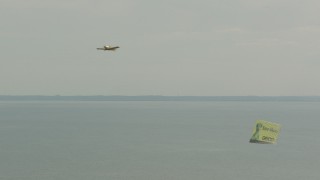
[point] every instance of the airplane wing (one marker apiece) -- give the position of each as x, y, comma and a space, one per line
114, 48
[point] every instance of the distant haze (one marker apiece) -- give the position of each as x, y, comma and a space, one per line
180, 47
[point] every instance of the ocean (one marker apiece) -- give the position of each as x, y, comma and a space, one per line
157, 140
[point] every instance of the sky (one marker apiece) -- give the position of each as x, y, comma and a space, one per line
167, 47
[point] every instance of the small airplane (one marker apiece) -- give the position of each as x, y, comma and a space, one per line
108, 48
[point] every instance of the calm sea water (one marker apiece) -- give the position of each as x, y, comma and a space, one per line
156, 141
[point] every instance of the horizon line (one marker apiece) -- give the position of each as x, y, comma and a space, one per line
153, 98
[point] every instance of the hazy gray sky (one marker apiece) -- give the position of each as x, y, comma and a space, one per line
167, 47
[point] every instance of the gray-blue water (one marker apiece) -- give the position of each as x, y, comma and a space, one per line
156, 141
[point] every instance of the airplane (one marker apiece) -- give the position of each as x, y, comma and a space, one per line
108, 48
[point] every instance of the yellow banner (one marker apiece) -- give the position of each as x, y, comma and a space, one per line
265, 132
